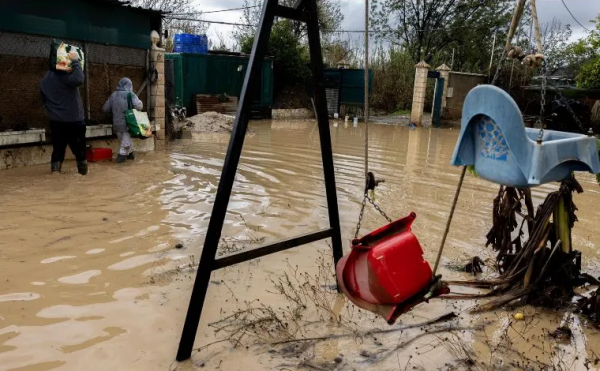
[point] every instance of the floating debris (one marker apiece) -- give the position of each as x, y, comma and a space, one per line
562, 333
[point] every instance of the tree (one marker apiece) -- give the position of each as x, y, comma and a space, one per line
585, 56
330, 18
291, 56
343, 48
181, 7
555, 39
287, 44
430, 27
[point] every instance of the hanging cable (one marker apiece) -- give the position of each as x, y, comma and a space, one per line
218, 11
569, 10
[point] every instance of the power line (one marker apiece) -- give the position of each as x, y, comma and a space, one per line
569, 10
212, 22
217, 11
325, 31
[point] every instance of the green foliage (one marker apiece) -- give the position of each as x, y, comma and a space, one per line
330, 18
585, 54
589, 74
471, 170
291, 55
434, 27
288, 44
393, 79
555, 39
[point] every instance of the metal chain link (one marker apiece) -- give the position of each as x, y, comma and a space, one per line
562, 98
577, 121
379, 209
540, 120
362, 212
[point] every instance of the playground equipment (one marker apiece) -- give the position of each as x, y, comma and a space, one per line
302, 11
385, 272
494, 139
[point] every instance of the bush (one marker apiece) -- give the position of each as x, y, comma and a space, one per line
393, 80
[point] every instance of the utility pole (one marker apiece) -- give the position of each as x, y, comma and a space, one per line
366, 109
452, 63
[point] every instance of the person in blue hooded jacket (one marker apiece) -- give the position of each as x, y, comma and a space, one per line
63, 104
117, 105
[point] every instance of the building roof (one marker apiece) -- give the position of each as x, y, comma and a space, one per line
127, 4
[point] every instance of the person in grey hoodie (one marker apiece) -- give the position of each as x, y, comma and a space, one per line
117, 104
62, 101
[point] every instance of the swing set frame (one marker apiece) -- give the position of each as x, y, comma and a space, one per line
302, 11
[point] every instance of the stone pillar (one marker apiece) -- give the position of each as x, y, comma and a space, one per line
157, 91
416, 114
444, 74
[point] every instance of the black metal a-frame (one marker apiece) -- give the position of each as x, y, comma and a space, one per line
302, 11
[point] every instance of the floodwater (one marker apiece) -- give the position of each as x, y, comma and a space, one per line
91, 278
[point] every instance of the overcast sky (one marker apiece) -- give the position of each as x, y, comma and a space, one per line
353, 10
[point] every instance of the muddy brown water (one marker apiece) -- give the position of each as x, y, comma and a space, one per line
91, 279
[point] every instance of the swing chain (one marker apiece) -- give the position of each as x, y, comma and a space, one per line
565, 102
371, 183
362, 213
379, 209
540, 120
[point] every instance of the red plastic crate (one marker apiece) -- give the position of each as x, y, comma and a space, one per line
99, 154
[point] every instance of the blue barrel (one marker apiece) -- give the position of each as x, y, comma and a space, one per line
178, 48
178, 39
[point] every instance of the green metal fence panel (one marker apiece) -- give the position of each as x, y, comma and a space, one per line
219, 74
266, 94
92, 21
351, 82
178, 78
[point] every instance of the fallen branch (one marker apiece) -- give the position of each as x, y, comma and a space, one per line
309, 365
385, 354
445, 317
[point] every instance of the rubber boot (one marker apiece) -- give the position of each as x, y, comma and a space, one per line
131, 156
121, 159
82, 167
56, 166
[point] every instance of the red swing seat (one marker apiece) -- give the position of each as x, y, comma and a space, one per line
385, 272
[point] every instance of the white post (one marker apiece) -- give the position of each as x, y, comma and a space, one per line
416, 115
444, 74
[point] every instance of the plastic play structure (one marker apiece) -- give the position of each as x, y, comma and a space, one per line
494, 139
